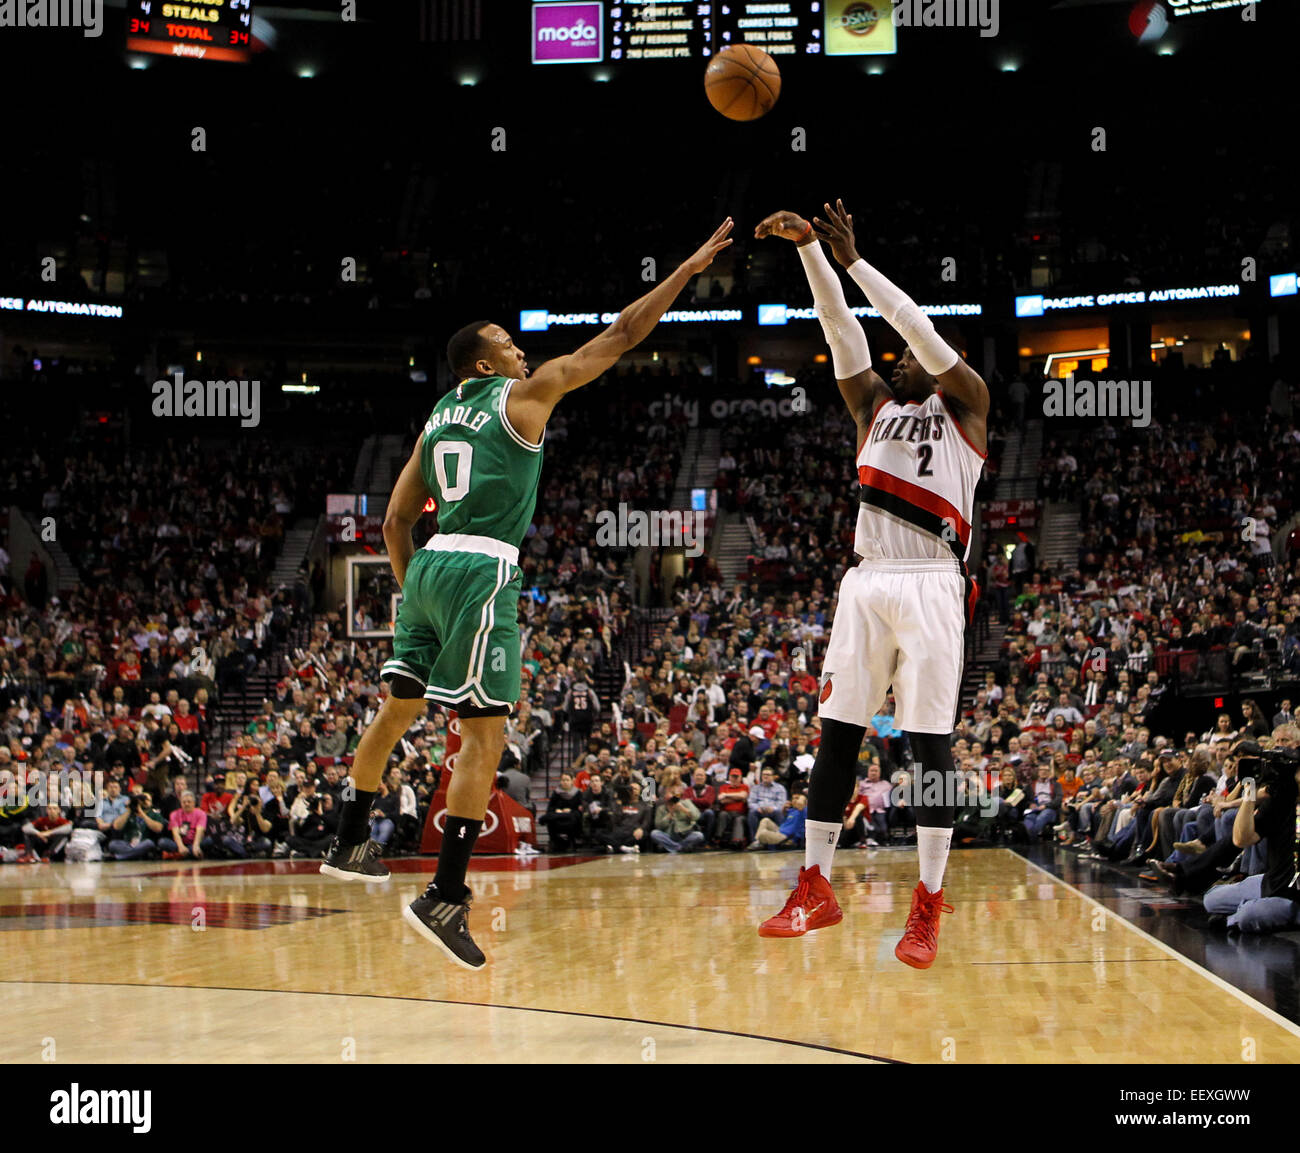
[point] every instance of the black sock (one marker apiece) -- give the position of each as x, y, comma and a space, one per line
354, 823
458, 837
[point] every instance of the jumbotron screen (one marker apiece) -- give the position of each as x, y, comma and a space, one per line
600, 30
212, 30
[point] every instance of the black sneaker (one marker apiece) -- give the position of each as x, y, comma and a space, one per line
446, 924
359, 862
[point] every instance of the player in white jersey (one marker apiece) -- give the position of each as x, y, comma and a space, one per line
903, 609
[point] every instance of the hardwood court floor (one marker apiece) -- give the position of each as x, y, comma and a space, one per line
596, 960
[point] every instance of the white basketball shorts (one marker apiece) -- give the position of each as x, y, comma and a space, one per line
899, 623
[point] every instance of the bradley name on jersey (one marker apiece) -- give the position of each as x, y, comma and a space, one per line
466, 414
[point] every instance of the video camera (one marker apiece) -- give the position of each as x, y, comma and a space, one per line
1265, 766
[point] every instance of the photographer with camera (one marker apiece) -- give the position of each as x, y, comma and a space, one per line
676, 819
1269, 811
139, 831
249, 827
312, 832
304, 804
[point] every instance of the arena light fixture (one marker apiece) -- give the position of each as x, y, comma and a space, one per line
1053, 357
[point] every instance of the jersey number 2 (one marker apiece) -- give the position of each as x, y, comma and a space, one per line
923, 455
463, 451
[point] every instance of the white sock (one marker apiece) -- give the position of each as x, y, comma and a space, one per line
932, 848
820, 839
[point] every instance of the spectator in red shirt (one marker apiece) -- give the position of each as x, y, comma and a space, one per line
47, 836
802, 683
188, 724
733, 808
769, 719
128, 668
704, 797
218, 797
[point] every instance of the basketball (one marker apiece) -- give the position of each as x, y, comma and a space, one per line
742, 82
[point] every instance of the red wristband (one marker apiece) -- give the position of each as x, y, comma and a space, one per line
804, 235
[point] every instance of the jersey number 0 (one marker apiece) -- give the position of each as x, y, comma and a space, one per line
463, 451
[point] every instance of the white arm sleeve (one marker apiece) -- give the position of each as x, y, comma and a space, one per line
849, 352
931, 351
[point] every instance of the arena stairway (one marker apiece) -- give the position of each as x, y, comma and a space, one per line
390, 455
987, 650
1058, 538
733, 544
25, 527
294, 551
699, 467
235, 708
1018, 478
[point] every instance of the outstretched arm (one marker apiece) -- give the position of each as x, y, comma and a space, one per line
862, 389
532, 399
961, 384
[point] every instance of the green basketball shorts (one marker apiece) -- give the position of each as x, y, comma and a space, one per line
457, 629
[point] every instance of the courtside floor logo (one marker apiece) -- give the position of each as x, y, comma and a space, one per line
568, 33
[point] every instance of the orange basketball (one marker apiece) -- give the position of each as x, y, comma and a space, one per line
742, 82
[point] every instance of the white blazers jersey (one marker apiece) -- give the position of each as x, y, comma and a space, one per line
918, 473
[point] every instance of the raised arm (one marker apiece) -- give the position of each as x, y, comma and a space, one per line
961, 384
860, 386
532, 399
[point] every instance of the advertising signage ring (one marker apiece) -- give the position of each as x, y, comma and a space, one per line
568, 33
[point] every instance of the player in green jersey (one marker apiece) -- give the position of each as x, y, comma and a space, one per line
456, 639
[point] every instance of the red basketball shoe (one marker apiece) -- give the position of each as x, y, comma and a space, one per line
921, 937
810, 906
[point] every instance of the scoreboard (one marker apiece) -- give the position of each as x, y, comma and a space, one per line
617, 31
203, 30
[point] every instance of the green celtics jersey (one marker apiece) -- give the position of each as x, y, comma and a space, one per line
482, 472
